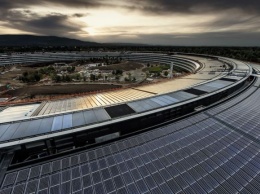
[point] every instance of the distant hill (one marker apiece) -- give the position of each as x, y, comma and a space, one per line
125, 44
31, 40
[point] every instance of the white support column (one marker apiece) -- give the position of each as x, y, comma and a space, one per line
171, 69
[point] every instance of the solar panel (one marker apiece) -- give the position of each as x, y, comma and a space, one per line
181, 95
33, 128
22, 175
206, 88
137, 106
35, 172
9, 132
160, 101
232, 102
43, 183
3, 128
244, 117
78, 119
57, 123
200, 154
18, 189
101, 114
67, 121
195, 91
151, 103
45, 126
20, 130
9, 179
119, 110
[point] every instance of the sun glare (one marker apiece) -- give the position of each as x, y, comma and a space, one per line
91, 31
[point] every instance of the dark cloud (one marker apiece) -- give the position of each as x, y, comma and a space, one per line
196, 6
54, 24
8, 4
235, 22
147, 6
79, 15
51, 24
16, 15
152, 6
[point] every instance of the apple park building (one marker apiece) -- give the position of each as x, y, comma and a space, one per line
195, 134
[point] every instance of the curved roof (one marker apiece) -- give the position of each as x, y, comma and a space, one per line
215, 151
80, 119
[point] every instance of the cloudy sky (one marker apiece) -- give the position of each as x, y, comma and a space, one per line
163, 22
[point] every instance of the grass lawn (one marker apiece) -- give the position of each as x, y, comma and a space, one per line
156, 69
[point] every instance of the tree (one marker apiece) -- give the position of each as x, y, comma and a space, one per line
31, 78
92, 77
119, 72
77, 76
69, 69
42, 71
67, 78
129, 76
25, 74
37, 77
56, 78
50, 70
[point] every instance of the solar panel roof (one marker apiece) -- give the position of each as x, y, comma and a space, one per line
216, 151
199, 155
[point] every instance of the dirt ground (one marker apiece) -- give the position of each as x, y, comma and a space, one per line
11, 74
59, 89
24, 90
138, 74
